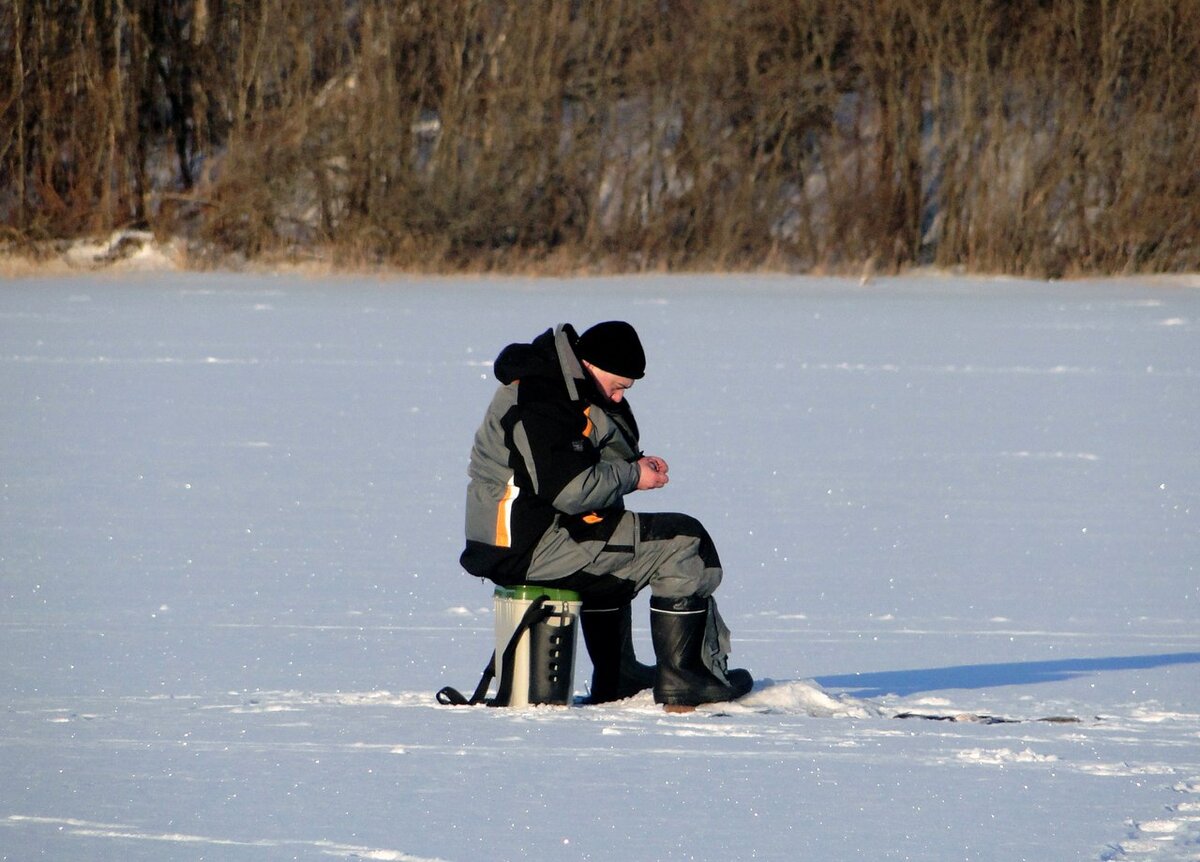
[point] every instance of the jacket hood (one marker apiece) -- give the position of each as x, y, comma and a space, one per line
550, 356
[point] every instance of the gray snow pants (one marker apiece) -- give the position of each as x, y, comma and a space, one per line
670, 553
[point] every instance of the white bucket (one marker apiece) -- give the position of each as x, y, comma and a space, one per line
543, 665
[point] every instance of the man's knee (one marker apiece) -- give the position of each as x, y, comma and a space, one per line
665, 526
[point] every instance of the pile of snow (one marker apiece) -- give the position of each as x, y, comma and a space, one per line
125, 251
804, 698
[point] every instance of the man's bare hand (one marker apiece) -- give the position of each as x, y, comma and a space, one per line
652, 473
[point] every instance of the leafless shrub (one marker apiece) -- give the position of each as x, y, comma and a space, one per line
1029, 136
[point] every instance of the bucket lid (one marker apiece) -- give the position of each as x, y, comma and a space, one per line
529, 592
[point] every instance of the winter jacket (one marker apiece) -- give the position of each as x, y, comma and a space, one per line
549, 468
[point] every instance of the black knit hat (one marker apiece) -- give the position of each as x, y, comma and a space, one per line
614, 347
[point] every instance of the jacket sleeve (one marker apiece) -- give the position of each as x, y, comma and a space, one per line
563, 463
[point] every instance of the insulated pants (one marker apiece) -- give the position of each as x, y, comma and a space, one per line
672, 554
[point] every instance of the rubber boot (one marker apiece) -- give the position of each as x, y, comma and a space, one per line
678, 629
616, 672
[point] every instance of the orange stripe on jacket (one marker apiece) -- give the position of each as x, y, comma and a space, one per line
504, 515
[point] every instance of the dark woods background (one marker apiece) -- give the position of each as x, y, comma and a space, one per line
1041, 137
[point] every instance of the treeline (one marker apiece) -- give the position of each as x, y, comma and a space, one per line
1041, 137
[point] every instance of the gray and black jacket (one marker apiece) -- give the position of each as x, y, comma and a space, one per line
550, 466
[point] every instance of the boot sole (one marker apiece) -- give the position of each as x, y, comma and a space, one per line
678, 708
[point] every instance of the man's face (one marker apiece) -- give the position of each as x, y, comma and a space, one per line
612, 385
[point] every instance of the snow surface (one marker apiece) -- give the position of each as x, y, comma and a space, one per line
230, 516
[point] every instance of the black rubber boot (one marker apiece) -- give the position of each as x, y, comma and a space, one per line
616, 672
677, 627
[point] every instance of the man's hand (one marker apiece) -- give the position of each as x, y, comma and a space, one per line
652, 473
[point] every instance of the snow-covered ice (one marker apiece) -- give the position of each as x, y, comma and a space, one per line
230, 514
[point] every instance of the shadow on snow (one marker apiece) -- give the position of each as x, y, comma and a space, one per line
908, 682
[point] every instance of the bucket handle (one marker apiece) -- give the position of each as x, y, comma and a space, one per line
449, 696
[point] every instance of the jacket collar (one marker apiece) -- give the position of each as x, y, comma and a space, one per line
572, 369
